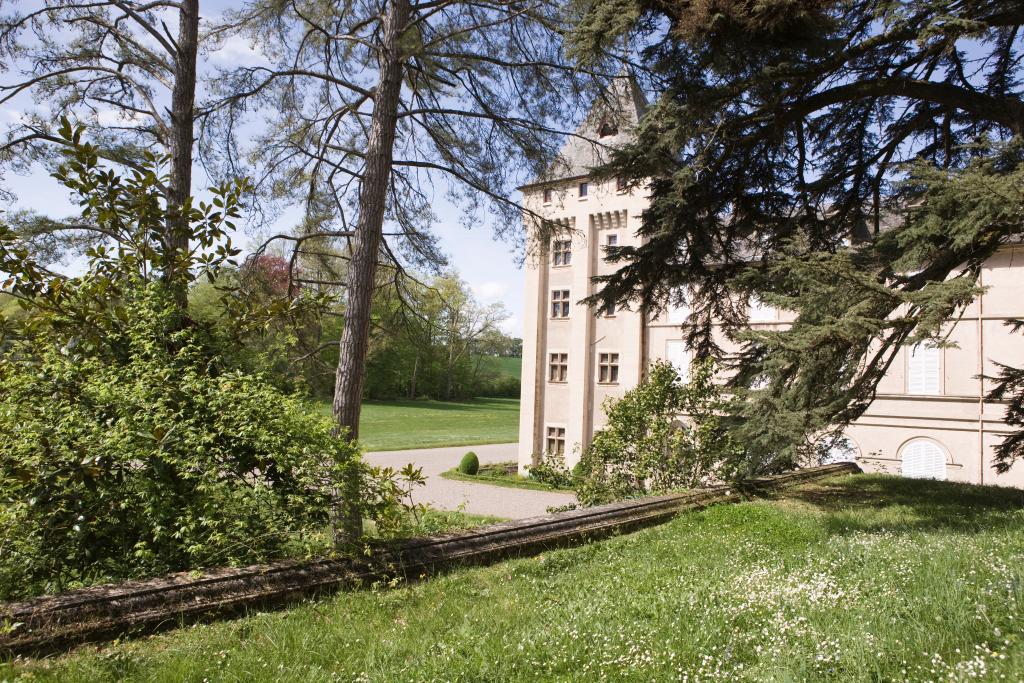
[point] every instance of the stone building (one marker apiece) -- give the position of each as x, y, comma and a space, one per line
930, 417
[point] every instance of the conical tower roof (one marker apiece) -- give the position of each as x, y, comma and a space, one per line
611, 122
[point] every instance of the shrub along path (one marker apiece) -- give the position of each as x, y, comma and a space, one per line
477, 499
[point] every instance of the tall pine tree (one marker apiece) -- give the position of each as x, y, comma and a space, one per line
852, 161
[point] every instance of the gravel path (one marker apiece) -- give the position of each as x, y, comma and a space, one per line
478, 499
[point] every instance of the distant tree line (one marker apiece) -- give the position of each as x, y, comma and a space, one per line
443, 345
429, 338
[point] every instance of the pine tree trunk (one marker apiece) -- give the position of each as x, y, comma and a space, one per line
451, 371
183, 96
415, 371
351, 372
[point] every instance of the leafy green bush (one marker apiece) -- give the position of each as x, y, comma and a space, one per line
470, 464
550, 469
128, 444
154, 464
660, 436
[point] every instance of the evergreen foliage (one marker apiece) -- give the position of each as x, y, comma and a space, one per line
852, 162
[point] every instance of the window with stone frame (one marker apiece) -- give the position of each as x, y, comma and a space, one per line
558, 367
608, 368
560, 303
610, 240
555, 442
607, 129
561, 252
547, 195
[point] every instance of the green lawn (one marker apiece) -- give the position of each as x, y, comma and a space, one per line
496, 474
396, 425
511, 367
864, 578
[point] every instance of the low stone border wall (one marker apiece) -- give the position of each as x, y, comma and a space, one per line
56, 623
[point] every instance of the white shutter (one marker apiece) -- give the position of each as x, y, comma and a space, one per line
677, 354
923, 368
761, 312
678, 308
922, 459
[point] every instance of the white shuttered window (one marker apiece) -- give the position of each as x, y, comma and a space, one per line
679, 307
761, 312
922, 459
677, 354
923, 370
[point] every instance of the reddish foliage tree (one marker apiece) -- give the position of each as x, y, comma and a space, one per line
272, 273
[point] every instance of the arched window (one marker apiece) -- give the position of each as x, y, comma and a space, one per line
923, 459
923, 368
606, 129
842, 449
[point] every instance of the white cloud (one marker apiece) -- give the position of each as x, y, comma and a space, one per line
237, 51
492, 292
512, 326
118, 117
23, 114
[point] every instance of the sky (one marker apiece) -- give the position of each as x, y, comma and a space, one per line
490, 266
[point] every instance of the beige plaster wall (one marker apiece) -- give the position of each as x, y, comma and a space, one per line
957, 419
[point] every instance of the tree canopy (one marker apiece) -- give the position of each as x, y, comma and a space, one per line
852, 161
116, 65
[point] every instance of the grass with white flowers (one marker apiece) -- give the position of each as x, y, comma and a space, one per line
862, 578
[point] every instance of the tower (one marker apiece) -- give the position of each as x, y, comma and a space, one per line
573, 357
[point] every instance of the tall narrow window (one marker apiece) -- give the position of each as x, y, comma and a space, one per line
923, 367
677, 354
560, 303
678, 307
558, 367
608, 368
555, 444
620, 184
611, 240
761, 312
609, 311
547, 195
562, 250
584, 188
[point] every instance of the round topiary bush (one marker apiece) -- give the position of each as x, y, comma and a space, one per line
470, 463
